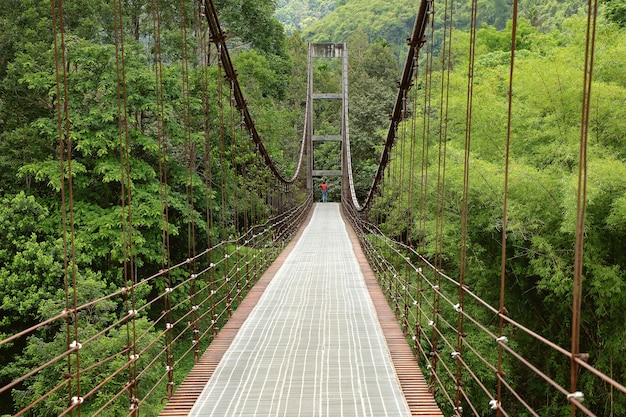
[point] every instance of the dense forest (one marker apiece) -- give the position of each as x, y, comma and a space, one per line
33, 243
269, 52
541, 206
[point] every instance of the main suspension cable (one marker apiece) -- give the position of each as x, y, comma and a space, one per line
416, 41
219, 38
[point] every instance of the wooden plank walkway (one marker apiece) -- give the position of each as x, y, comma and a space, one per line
321, 341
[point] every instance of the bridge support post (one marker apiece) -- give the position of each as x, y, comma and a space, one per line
337, 132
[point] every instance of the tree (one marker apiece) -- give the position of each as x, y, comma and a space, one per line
615, 11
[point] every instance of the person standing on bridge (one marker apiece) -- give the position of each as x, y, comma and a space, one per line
324, 188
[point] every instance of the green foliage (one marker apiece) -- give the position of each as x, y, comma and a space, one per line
253, 21
103, 131
542, 196
379, 19
30, 260
615, 11
297, 15
40, 349
373, 73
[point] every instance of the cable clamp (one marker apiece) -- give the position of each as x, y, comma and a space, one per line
211, 265
457, 308
75, 345
133, 357
577, 396
77, 400
226, 256
168, 290
194, 276
132, 312
414, 302
431, 323
502, 339
194, 308
169, 326
455, 354
494, 404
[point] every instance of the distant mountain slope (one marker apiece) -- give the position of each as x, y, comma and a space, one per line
334, 21
299, 14
379, 19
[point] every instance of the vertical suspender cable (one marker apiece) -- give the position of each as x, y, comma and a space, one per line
233, 159
464, 209
443, 139
409, 235
426, 129
443, 129
418, 279
220, 101
402, 211
125, 183
67, 204
505, 202
208, 171
581, 205
163, 191
189, 147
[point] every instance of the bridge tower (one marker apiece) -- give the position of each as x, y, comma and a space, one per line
327, 110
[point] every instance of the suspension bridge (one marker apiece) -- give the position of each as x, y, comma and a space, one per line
279, 305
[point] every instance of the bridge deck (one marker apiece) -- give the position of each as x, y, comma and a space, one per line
321, 341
